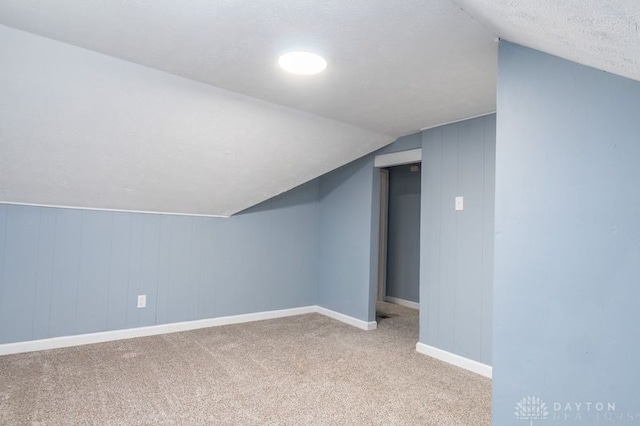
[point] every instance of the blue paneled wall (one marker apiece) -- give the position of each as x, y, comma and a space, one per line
345, 275
456, 248
567, 257
66, 271
456, 269
349, 210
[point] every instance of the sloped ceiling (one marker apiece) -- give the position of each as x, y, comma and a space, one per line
82, 129
179, 106
600, 34
394, 66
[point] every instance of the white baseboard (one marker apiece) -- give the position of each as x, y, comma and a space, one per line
403, 302
364, 325
129, 333
457, 360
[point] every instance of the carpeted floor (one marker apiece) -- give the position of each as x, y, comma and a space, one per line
299, 370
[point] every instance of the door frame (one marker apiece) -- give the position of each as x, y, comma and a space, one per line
383, 231
381, 162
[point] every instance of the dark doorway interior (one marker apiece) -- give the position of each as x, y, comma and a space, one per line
403, 235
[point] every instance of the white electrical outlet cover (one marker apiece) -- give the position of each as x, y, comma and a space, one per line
459, 203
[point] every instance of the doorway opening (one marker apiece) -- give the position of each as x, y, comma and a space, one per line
399, 238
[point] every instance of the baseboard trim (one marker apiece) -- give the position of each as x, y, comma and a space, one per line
363, 325
130, 333
457, 360
403, 302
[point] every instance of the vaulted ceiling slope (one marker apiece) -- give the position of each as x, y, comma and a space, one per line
600, 34
82, 129
179, 106
394, 66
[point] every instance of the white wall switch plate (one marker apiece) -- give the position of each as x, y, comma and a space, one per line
142, 301
459, 203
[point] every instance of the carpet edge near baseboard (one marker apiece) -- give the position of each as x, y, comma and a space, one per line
130, 333
402, 302
454, 359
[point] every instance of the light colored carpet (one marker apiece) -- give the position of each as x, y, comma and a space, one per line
307, 369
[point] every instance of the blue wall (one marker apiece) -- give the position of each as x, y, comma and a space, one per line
349, 215
567, 257
344, 274
65, 271
456, 248
456, 269
403, 242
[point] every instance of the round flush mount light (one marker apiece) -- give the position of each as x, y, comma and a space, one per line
303, 63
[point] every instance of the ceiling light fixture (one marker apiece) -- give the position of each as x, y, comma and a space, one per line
303, 63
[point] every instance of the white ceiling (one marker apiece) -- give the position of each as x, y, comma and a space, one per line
83, 129
597, 33
394, 66
183, 109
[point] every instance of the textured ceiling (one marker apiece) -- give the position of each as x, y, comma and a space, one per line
597, 33
394, 66
179, 107
82, 129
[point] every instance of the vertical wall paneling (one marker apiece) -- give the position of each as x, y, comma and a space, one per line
66, 268
3, 245
252, 265
430, 253
46, 251
348, 234
207, 290
66, 271
448, 243
469, 253
345, 230
93, 276
488, 237
119, 260
143, 269
163, 301
456, 262
180, 291
227, 254
19, 274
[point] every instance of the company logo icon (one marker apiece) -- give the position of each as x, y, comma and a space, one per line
531, 408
